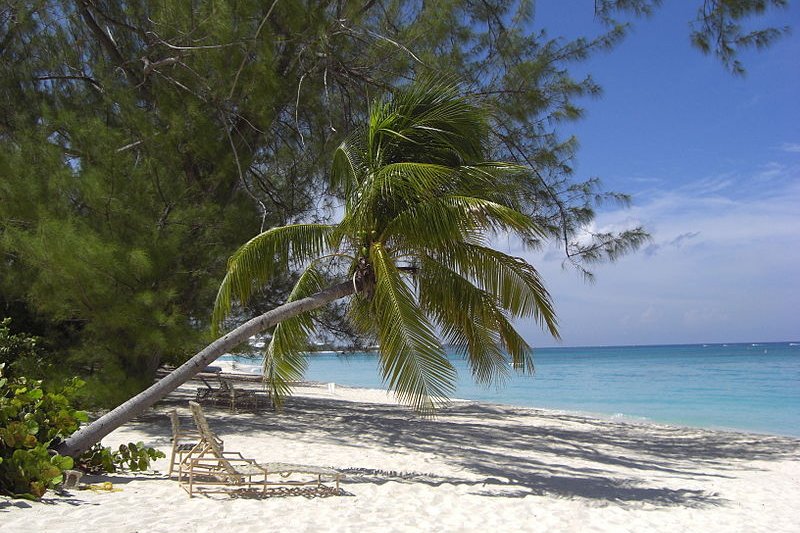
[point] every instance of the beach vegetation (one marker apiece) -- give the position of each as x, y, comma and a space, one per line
135, 457
34, 418
20, 353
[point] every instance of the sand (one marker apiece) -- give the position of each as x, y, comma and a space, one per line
476, 467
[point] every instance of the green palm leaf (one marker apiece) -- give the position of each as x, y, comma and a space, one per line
284, 358
494, 181
412, 359
472, 320
392, 189
411, 180
516, 284
263, 257
348, 164
440, 123
444, 220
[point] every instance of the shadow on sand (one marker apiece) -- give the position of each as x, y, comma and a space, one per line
512, 452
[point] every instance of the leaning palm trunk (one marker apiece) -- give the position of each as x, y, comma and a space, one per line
83, 439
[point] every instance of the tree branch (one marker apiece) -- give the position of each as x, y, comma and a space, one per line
105, 40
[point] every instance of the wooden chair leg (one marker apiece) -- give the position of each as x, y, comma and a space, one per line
172, 458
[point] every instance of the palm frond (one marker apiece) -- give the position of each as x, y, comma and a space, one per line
479, 344
520, 351
435, 116
495, 181
513, 281
496, 217
263, 257
411, 181
427, 121
430, 225
392, 189
412, 359
284, 358
450, 219
348, 164
361, 316
473, 321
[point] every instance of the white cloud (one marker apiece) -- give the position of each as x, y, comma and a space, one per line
722, 267
791, 147
772, 171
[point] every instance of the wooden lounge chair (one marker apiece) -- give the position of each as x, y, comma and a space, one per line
227, 394
207, 392
183, 441
209, 469
235, 398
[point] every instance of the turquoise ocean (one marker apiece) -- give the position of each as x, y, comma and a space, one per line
750, 387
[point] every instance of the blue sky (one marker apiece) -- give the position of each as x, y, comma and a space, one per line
713, 164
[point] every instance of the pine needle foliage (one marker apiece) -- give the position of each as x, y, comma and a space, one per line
421, 205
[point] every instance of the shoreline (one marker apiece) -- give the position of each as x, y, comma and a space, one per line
229, 370
521, 468
604, 417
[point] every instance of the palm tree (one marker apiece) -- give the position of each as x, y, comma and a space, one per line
421, 205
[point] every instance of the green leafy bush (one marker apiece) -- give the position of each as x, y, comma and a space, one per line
134, 457
32, 420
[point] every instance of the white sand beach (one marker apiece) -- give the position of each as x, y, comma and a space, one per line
476, 467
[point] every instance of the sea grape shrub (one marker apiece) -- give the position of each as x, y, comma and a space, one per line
96, 460
137, 457
32, 419
134, 457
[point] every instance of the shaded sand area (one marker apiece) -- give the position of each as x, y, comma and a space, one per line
476, 467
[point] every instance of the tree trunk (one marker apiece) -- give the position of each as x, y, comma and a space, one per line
88, 435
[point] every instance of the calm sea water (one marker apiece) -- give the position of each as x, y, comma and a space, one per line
752, 387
